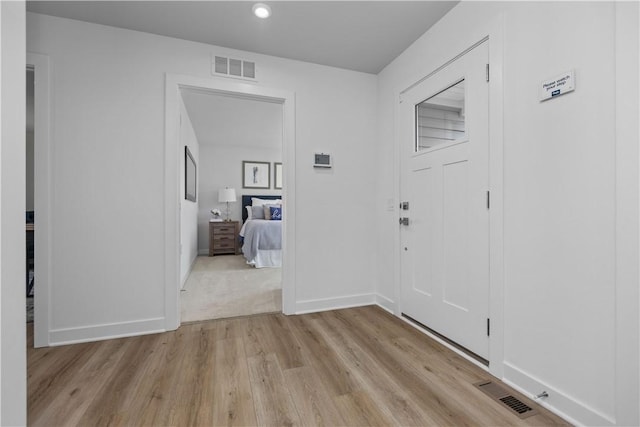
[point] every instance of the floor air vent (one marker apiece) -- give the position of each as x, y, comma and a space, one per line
502, 395
516, 404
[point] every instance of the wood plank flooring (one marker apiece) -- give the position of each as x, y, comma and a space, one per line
352, 367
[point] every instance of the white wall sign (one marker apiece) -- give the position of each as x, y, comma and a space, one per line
557, 86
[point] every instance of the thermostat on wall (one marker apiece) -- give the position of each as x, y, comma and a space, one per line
322, 160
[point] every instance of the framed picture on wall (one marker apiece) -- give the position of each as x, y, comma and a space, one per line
256, 175
277, 176
189, 175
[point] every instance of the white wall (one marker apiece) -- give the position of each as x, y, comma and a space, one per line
107, 166
627, 212
13, 371
188, 209
560, 279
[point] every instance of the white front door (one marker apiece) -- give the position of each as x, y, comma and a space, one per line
444, 134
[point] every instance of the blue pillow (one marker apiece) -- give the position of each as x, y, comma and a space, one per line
276, 213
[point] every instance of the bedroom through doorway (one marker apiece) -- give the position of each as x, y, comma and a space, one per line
236, 143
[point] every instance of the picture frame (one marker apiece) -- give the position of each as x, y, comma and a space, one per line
256, 174
277, 176
190, 176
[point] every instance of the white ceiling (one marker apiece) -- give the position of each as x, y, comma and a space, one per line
220, 120
357, 35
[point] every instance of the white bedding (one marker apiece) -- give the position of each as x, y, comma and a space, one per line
267, 258
262, 246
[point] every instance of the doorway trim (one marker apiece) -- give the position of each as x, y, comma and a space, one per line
493, 32
173, 84
43, 183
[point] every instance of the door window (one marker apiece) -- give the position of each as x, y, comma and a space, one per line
440, 118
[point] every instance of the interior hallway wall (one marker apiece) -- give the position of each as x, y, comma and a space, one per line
108, 169
13, 357
188, 208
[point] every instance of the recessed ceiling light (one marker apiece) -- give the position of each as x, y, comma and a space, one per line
261, 10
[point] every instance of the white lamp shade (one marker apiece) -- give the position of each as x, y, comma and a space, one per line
226, 195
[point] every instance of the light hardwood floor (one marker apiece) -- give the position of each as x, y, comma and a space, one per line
354, 367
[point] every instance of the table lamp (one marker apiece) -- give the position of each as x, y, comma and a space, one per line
227, 195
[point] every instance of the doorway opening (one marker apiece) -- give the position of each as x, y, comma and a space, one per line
238, 143
175, 156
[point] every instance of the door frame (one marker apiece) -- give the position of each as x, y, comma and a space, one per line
493, 34
43, 184
173, 84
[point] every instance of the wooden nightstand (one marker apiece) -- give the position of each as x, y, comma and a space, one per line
223, 237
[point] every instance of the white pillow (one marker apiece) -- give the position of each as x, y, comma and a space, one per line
249, 212
261, 202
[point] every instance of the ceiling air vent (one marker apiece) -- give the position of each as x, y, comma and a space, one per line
235, 67
249, 69
231, 67
221, 65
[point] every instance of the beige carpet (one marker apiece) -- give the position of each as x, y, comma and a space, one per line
225, 286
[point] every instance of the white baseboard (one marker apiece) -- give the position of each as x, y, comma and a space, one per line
570, 409
204, 251
565, 406
106, 331
151, 326
325, 304
386, 303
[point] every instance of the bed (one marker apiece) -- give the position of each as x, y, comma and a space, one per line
261, 232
